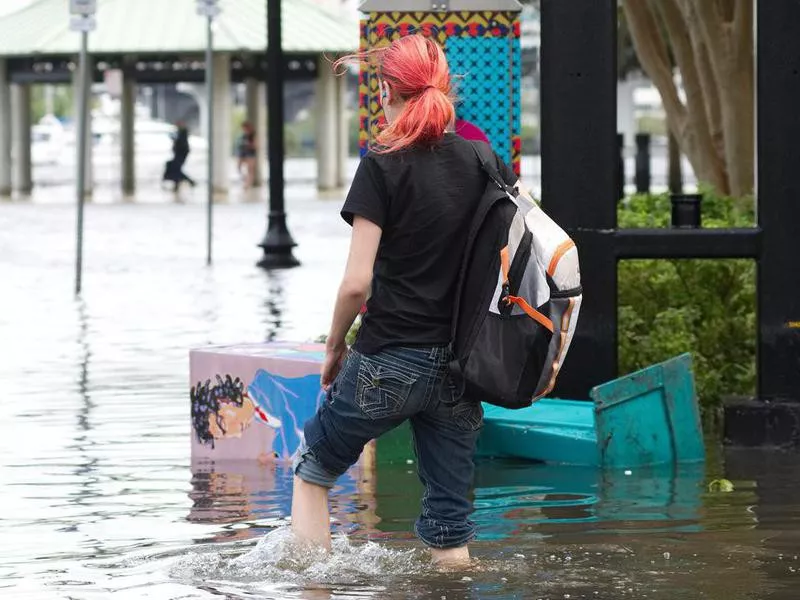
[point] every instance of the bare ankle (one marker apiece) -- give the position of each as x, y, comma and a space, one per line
310, 516
450, 557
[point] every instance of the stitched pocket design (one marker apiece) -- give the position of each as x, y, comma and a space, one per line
383, 388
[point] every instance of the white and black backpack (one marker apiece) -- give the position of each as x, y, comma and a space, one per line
518, 297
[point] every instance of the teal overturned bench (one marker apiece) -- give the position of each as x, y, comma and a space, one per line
646, 418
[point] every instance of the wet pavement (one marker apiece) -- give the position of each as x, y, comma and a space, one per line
99, 499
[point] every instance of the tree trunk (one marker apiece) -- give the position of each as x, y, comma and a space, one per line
699, 127
675, 172
711, 42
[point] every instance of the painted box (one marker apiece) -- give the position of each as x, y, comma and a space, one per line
250, 401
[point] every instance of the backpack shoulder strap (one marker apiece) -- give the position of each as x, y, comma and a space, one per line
485, 205
487, 160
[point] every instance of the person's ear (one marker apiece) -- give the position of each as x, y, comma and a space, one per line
386, 94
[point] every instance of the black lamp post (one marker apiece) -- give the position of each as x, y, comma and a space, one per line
278, 242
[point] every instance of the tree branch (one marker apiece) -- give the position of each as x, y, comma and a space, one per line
726, 9
652, 51
708, 78
706, 15
707, 155
743, 30
711, 93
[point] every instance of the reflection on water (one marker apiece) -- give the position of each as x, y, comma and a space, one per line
562, 530
99, 498
273, 305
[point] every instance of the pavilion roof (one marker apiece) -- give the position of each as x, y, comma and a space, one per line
173, 26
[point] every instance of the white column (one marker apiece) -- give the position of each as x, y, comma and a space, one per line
49, 99
223, 110
76, 90
5, 130
344, 131
626, 110
21, 137
327, 126
256, 100
127, 135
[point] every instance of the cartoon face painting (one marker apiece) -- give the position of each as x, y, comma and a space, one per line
225, 410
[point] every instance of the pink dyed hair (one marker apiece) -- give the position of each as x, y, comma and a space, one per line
416, 70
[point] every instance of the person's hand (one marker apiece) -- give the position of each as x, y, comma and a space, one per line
334, 357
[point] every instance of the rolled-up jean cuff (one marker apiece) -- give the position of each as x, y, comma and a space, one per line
443, 537
306, 466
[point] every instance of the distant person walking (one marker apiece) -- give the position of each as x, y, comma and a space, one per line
180, 152
246, 151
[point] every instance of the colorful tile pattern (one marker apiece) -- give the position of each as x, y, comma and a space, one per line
466, 37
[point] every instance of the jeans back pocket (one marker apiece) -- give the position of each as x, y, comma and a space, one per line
383, 387
468, 415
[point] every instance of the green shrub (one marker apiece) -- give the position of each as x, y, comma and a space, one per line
706, 307
350, 339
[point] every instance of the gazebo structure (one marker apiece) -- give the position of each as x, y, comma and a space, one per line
157, 41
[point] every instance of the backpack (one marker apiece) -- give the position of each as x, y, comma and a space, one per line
517, 298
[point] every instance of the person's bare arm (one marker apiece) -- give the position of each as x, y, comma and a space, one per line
353, 292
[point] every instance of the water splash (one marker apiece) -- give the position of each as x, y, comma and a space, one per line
280, 558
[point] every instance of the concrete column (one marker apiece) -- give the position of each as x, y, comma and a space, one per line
75, 110
344, 132
256, 101
21, 137
49, 99
626, 110
5, 130
327, 126
221, 136
127, 135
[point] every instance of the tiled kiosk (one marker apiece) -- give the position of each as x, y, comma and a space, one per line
481, 40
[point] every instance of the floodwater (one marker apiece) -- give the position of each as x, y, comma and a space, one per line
98, 498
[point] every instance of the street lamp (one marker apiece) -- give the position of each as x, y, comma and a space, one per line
278, 242
82, 20
210, 10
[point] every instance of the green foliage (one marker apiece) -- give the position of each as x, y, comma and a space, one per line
530, 139
706, 307
61, 102
350, 338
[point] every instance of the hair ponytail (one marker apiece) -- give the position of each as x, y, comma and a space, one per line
423, 121
415, 68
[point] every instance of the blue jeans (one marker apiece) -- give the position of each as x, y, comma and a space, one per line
374, 394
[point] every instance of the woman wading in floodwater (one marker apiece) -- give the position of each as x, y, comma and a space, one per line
410, 206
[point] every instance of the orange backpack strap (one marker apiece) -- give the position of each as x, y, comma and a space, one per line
532, 312
562, 249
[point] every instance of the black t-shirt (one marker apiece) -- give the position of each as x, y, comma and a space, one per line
423, 200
